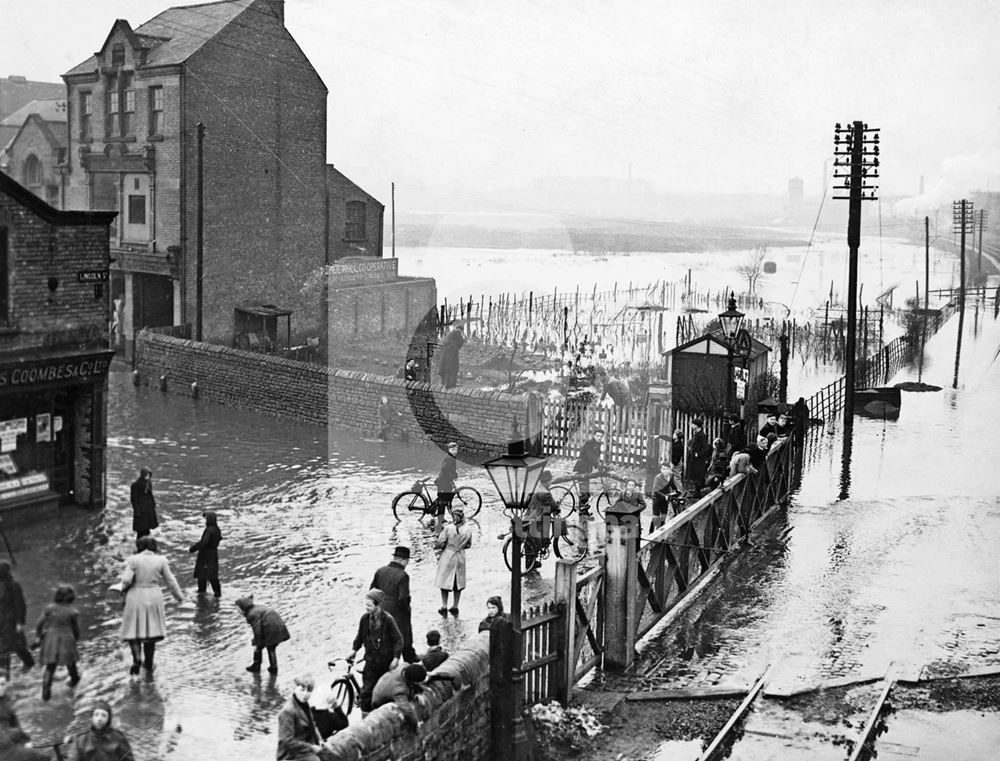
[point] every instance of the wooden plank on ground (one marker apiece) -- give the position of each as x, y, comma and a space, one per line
692, 693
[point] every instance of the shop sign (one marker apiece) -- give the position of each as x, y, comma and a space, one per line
354, 270
31, 483
15, 426
81, 367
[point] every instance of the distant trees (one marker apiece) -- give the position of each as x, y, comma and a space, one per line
753, 267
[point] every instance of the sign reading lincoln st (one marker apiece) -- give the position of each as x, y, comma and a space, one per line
79, 368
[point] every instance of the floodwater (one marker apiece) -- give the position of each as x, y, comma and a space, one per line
306, 519
900, 574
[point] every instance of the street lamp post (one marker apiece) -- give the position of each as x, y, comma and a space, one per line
515, 476
732, 322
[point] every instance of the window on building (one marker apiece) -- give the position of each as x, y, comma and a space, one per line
117, 55
137, 210
355, 227
86, 109
155, 110
32, 171
121, 105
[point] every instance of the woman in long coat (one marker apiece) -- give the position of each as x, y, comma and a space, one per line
143, 504
449, 357
206, 565
12, 616
144, 620
454, 539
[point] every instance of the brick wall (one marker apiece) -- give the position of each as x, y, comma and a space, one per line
264, 110
479, 420
38, 250
380, 310
455, 715
340, 190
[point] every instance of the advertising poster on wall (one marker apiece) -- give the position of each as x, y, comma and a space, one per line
43, 427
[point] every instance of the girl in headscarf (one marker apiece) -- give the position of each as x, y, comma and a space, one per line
206, 565
269, 631
494, 613
101, 742
58, 630
454, 539
12, 615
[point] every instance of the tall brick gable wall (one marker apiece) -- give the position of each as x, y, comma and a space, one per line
264, 110
455, 715
479, 420
39, 251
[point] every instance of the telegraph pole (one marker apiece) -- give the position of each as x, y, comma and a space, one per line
979, 258
927, 287
963, 218
855, 164
393, 221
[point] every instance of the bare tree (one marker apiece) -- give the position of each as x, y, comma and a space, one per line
753, 267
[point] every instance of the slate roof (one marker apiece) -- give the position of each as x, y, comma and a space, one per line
176, 34
48, 110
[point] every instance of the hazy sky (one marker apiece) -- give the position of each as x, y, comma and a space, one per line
723, 96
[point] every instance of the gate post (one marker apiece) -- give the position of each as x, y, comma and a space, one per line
565, 595
622, 524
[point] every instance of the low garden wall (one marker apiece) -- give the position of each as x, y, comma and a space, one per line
479, 420
455, 715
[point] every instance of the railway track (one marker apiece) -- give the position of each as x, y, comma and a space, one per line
760, 743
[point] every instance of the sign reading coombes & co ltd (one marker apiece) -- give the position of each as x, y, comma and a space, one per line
80, 368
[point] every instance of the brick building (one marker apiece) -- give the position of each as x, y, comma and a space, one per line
54, 354
17, 91
134, 108
35, 153
355, 218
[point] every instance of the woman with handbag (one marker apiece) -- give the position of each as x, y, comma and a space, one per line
144, 620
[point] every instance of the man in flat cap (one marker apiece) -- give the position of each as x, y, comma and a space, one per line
383, 644
394, 582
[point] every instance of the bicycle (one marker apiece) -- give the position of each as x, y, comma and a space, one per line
570, 543
345, 689
418, 499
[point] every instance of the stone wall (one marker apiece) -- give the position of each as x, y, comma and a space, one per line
455, 716
479, 420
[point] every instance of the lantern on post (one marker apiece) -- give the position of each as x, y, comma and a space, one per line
732, 323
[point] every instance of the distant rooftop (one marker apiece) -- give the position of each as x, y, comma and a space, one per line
16, 90
49, 110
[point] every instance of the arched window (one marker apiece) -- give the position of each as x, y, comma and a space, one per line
32, 171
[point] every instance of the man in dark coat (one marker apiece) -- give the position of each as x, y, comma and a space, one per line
13, 613
449, 357
383, 644
401, 686
435, 655
143, 504
394, 582
736, 438
588, 461
699, 452
206, 565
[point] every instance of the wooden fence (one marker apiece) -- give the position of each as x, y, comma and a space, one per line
543, 632
566, 424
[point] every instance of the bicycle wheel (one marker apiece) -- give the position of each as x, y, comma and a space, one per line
407, 502
571, 544
606, 499
470, 499
342, 693
530, 560
564, 499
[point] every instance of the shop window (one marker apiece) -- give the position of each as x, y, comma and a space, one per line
355, 227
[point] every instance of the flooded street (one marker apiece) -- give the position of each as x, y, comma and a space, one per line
306, 520
901, 571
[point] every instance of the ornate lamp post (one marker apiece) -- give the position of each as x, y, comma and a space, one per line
515, 476
732, 322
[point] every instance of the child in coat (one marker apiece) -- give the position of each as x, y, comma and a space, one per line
269, 631
58, 630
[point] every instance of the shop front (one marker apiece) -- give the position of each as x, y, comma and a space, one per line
52, 437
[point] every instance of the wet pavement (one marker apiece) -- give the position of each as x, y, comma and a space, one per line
306, 519
901, 573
